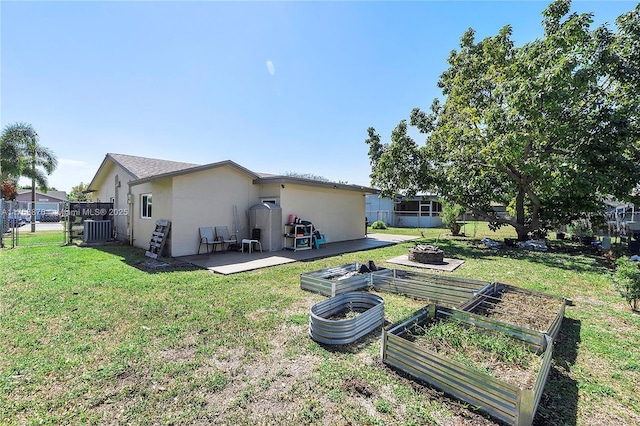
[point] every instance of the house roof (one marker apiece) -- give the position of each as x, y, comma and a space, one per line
194, 169
143, 169
60, 195
140, 167
266, 179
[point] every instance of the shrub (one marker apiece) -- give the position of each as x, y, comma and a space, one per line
378, 224
450, 214
581, 229
627, 281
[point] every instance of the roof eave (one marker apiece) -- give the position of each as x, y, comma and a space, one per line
104, 161
311, 182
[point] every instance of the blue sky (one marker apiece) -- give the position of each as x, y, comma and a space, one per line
277, 87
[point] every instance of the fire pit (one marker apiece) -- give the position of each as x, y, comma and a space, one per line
424, 253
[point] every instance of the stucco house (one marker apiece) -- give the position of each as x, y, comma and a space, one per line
145, 190
50, 200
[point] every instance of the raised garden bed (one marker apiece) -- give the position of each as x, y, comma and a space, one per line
480, 377
345, 318
525, 314
519, 324
436, 288
341, 279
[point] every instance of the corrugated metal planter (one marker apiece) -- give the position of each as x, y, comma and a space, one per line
369, 315
502, 400
341, 279
436, 288
487, 300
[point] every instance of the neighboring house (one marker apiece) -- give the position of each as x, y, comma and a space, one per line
145, 190
51, 200
421, 211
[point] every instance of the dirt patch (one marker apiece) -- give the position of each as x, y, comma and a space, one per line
356, 385
344, 314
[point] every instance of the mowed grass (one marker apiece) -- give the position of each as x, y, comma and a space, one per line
89, 336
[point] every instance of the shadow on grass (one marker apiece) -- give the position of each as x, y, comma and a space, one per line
559, 402
154, 266
136, 258
561, 255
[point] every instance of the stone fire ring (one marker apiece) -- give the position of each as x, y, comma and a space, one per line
370, 309
426, 254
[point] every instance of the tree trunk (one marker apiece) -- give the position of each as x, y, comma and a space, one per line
33, 205
523, 232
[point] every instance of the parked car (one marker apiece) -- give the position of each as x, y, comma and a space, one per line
15, 219
50, 216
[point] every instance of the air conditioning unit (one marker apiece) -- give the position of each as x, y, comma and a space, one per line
97, 231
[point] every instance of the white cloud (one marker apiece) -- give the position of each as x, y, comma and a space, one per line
270, 67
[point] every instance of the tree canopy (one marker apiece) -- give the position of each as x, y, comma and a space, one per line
548, 129
78, 192
22, 155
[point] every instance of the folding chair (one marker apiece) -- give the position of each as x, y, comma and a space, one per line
222, 235
207, 238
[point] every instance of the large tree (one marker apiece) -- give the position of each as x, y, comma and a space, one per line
33, 160
549, 128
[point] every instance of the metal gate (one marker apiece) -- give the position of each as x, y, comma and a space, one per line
18, 229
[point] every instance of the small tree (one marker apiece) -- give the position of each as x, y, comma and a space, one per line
8, 190
627, 281
78, 193
450, 214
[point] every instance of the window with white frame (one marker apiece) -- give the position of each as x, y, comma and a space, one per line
145, 206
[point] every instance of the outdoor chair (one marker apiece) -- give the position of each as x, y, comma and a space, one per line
318, 239
207, 238
222, 235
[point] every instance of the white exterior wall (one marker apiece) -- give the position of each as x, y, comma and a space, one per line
114, 186
141, 229
339, 214
418, 221
379, 209
207, 198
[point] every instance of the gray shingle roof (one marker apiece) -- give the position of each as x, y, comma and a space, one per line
143, 167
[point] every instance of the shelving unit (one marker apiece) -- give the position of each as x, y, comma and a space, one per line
298, 237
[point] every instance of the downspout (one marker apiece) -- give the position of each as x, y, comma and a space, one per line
130, 216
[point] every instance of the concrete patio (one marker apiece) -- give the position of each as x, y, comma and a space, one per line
232, 262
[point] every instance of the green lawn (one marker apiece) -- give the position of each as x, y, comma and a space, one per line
89, 336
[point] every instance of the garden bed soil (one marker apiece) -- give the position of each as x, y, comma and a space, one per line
487, 351
529, 310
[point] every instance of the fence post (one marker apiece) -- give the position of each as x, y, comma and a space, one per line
2, 222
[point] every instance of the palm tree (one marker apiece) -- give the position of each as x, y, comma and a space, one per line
31, 160
10, 154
